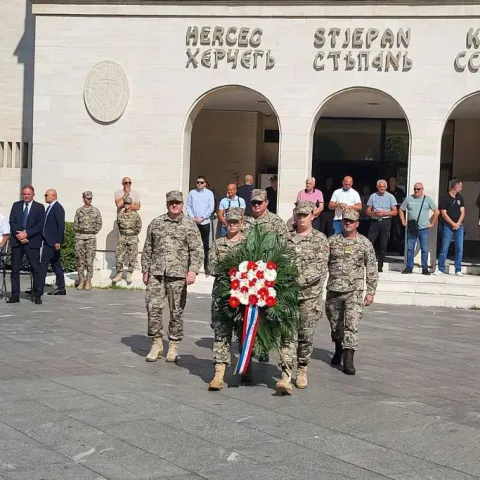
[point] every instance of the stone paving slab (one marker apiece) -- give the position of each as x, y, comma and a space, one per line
78, 400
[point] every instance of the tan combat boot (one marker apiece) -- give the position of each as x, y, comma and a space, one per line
217, 383
172, 351
118, 278
81, 284
301, 381
156, 351
284, 385
88, 285
129, 277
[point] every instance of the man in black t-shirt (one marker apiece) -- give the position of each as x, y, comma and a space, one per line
272, 194
245, 191
397, 231
452, 209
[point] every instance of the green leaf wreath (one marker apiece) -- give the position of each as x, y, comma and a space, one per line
277, 322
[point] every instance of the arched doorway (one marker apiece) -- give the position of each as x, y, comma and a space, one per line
460, 159
363, 133
231, 131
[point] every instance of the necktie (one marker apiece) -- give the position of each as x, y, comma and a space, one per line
46, 215
25, 215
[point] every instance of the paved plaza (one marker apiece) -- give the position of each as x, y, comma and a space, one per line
78, 401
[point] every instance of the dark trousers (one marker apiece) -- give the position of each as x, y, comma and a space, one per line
33, 256
205, 234
52, 257
381, 229
398, 235
326, 222
316, 223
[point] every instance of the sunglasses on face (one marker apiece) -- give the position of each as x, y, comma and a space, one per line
256, 203
127, 183
174, 203
200, 183
416, 189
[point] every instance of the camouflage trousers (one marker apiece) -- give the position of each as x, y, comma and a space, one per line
300, 346
223, 332
175, 290
344, 312
127, 246
85, 249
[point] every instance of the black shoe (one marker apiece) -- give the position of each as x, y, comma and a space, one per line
247, 377
263, 358
37, 300
407, 270
380, 269
425, 271
13, 300
58, 291
28, 292
337, 358
348, 367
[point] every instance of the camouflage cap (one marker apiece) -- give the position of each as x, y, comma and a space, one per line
234, 213
259, 195
127, 200
351, 215
174, 195
87, 194
304, 206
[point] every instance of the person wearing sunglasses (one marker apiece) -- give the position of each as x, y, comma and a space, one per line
418, 224
127, 192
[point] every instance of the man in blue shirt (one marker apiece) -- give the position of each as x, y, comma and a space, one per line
381, 207
200, 207
231, 200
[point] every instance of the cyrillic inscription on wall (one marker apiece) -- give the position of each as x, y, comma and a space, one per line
209, 46
362, 49
470, 58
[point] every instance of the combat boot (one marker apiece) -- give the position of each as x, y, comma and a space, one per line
118, 278
348, 367
156, 351
88, 285
217, 383
284, 385
129, 277
247, 377
172, 351
337, 358
81, 284
301, 380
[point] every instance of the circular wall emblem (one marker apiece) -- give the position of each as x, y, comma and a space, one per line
106, 92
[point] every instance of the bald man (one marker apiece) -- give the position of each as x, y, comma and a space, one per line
231, 200
53, 236
245, 192
344, 199
127, 191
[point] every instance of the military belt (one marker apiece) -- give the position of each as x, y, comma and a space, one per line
128, 234
87, 232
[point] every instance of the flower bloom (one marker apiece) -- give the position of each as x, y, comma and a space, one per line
252, 266
262, 292
234, 302
234, 284
270, 301
270, 275
243, 267
271, 265
259, 274
243, 289
252, 299
233, 271
269, 284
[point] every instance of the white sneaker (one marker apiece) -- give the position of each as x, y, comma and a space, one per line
439, 272
459, 274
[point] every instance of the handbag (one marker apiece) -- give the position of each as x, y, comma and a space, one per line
412, 225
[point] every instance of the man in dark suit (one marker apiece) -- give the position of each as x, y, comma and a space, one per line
26, 225
53, 236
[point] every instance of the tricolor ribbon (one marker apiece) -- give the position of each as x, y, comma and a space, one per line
250, 326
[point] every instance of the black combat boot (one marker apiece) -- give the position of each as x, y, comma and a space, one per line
337, 358
348, 367
247, 377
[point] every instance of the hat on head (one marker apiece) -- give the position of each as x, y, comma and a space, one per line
174, 195
351, 215
259, 195
127, 200
87, 194
234, 213
304, 206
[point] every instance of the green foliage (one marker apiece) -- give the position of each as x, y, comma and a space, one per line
69, 259
277, 322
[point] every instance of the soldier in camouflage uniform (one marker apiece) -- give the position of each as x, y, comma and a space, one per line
129, 226
310, 250
87, 223
171, 259
351, 256
222, 330
268, 221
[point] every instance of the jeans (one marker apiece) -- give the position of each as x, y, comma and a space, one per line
412, 241
223, 231
337, 226
448, 235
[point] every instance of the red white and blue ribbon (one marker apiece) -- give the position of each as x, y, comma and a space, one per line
250, 326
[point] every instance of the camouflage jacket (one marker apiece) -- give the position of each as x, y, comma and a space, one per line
349, 259
218, 250
310, 253
129, 223
87, 222
270, 222
172, 247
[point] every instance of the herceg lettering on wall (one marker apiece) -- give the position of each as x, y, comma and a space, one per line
470, 58
233, 46
362, 49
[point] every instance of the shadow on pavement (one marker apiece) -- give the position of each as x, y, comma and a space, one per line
138, 344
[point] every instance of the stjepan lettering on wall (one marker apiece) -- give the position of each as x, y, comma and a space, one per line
235, 46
